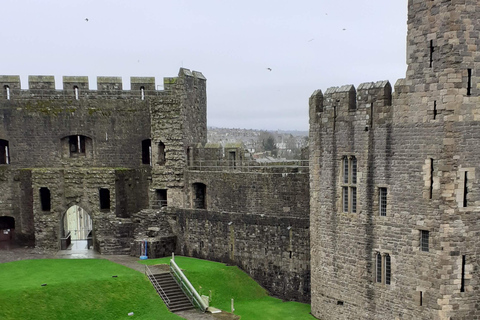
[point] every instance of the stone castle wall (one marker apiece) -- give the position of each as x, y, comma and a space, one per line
421, 149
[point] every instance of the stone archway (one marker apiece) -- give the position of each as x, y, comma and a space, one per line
77, 229
7, 229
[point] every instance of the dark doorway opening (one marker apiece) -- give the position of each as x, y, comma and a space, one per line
147, 151
160, 198
199, 196
7, 229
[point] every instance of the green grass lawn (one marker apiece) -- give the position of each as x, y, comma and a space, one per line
251, 300
76, 289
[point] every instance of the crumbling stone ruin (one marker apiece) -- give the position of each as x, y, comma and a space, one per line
138, 163
394, 192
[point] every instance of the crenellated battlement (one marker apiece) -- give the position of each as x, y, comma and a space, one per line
77, 87
340, 102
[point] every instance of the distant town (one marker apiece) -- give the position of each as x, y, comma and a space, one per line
262, 144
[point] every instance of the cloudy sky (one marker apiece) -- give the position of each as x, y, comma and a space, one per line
308, 45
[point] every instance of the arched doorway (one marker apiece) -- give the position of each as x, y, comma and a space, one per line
77, 229
7, 229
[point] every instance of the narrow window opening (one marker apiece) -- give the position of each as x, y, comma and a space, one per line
161, 195
462, 284
75, 89
354, 199
465, 190
232, 159
432, 50
147, 151
7, 92
199, 192
142, 92
388, 269
378, 273
345, 199
161, 153
469, 82
339, 303
420, 301
435, 112
77, 144
4, 152
104, 199
345, 169
45, 200
354, 170
424, 240
290, 254
431, 178
383, 201
371, 115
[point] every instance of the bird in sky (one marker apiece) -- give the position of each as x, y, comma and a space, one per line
269, 69
311, 40
86, 19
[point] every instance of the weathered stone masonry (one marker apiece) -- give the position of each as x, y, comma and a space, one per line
419, 260
141, 148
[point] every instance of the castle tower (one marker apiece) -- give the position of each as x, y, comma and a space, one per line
394, 180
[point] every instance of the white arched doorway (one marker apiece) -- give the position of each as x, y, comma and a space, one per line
77, 229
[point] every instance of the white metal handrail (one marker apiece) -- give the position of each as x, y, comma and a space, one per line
187, 287
156, 285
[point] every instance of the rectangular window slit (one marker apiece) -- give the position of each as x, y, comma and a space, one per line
431, 179
345, 199
383, 201
432, 50
424, 240
435, 112
465, 190
462, 285
354, 199
469, 82
420, 302
339, 303
290, 254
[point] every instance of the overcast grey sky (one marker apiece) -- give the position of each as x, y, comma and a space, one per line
308, 45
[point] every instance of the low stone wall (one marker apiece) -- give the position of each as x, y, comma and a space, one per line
275, 251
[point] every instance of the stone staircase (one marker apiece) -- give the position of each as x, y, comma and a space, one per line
172, 294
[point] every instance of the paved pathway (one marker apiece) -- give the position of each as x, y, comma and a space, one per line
9, 253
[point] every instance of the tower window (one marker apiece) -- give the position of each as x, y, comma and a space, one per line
383, 268
382, 201
77, 144
378, 268
4, 152
147, 151
142, 92
45, 200
104, 198
424, 239
75, 90
469, 82
7, 92
349, 187
432, 50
